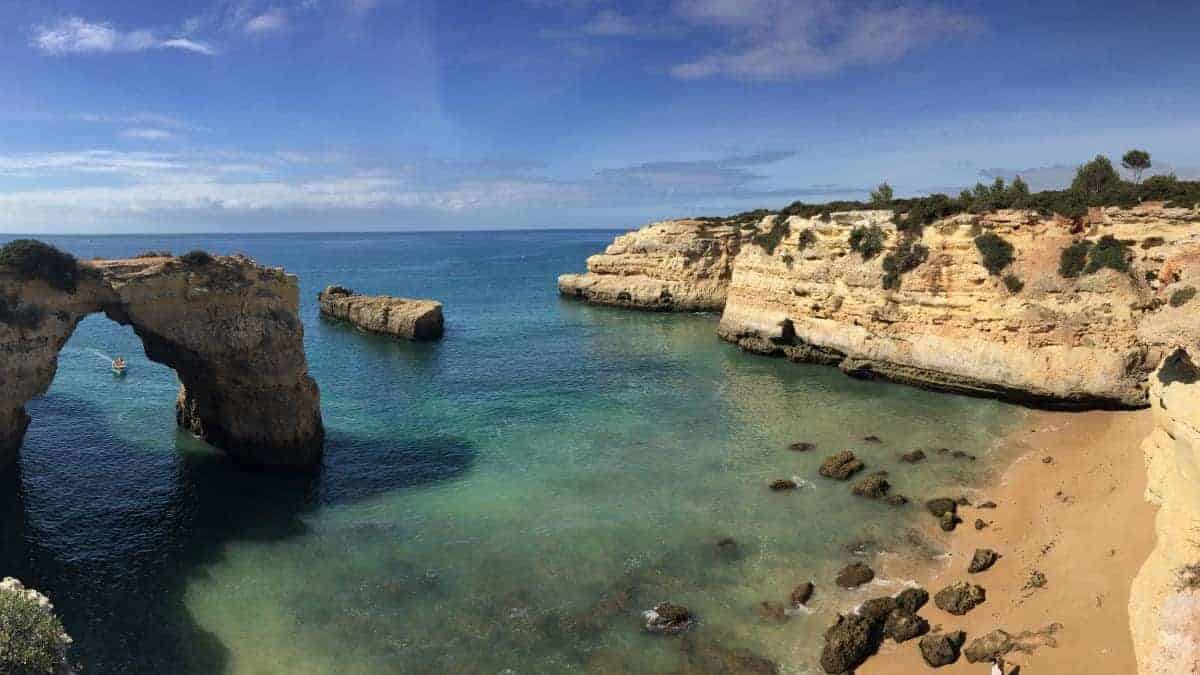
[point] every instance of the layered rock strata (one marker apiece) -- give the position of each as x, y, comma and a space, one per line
229, 327
1088, 341
675, 265
383, 314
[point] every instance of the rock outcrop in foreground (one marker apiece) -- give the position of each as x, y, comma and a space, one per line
398, 317
795, 287
227, 325
676, 265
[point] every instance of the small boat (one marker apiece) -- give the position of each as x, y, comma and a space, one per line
118, 366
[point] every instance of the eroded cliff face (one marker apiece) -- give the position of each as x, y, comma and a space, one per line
1164, 606
399, 317
1090, 341
675, 265
229, 328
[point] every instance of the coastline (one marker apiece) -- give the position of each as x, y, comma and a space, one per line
1081, 520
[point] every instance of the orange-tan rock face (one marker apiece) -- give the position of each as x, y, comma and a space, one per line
675, 265
1090, 341
398, 317
229, 328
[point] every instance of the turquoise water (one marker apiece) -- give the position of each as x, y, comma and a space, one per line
506, 501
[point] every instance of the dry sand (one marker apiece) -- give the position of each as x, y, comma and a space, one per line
1080, 520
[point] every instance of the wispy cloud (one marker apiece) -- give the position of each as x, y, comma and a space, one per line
147, 134
75, 35
767, 40
726, 173
273, 20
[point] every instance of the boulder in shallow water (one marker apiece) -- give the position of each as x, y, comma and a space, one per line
854, 575
913, 457
781, 484
982, 560
848, 644
802, 594
383, 314
942, 649
872, 487
802, 447
841, 466
668, 618
712, 657
959, 598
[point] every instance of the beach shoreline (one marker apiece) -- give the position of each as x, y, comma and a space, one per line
1071, 507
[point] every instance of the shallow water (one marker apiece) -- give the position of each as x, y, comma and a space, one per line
508, 500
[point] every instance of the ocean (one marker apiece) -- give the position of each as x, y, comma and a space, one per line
508, 500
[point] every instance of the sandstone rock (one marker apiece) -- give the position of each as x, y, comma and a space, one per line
903, 626
674, 265
959, 598
848, 644
913, 457
983, 559
802, 594
942, 649
668, 618
911, 600
841, 466
872, 487
383, 314
854, 575
987, 648
229, 327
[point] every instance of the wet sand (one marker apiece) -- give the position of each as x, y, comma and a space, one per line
1079, 519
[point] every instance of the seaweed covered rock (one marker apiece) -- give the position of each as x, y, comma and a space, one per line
872, 487
841, 466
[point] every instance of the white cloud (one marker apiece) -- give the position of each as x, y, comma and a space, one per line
147, 134
270, 21
776, 40
74, 35
610, 23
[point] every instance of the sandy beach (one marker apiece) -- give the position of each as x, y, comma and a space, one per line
1072, 508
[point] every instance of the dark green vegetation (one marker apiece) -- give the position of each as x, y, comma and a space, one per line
1183, 296
153, 254
882, 194
770, 239
908, 255
1108, 252
806, 238
1152, 242
1013, 283
1136, 161
30, 637
32, 259
196, 257
996, 251
1073, 259
867, 241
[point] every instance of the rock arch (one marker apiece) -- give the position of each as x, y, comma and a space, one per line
228, 327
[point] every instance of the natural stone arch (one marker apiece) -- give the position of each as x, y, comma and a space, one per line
227, 326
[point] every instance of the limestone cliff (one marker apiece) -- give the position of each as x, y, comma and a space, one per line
398, 317
1089, 341
675, 265
228, 327
1164, 604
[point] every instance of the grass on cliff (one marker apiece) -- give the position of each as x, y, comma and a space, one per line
867, 241
34, 260
31, 638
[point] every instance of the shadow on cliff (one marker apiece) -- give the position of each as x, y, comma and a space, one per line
113, 533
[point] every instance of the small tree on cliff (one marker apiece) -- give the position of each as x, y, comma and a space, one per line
882, 195
1095, 178
1136, 161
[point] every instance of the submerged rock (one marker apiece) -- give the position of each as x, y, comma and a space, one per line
384, 314
872, 439
942, 649
802, 447
781, 484
802, 594
668, 618
841, 466
712, 657
982, 560
959, 598
854, 575
849, 643
913, 457
773, 611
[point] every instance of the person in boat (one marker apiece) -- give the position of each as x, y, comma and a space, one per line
118, 364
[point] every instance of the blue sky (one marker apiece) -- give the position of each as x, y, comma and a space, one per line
256, 115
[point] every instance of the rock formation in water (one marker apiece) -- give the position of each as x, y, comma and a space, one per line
797, 288
398, 317
675, 265
228, 326
1164, 605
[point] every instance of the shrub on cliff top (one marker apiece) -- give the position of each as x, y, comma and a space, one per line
153, 254
32, 639
32, 259
196, 257
1108, 252
1073, 259
997, 253
1183, 296
867, 241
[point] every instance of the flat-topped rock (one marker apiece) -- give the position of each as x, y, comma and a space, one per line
399, 317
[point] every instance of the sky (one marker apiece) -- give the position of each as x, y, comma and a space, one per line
124, 116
